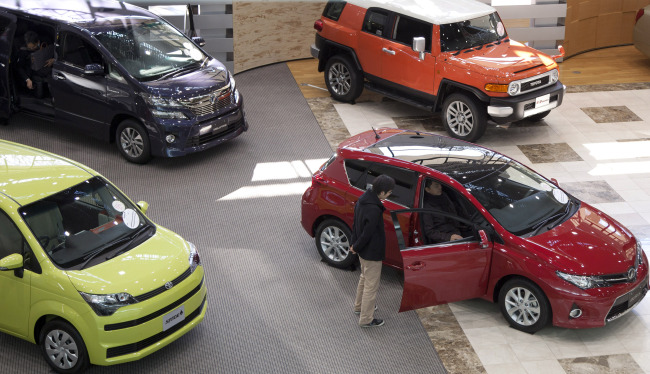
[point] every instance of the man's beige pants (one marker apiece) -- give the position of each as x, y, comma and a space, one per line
367, 290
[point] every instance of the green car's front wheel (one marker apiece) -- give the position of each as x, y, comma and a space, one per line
63, 347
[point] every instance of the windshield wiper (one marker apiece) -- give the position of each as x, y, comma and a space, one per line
554, 218
129, 239
135, 235
178, 72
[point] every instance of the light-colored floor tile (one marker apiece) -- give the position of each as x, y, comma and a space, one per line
532, 351
496, 354
643, 360
543, 367
568, 349
485, 336
510, 368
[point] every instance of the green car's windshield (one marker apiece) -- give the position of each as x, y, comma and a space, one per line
148, 48
523, 202
471, 33
81, 222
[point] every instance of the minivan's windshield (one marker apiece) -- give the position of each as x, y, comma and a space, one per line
86, 224
522, 201
471, 33
148, 48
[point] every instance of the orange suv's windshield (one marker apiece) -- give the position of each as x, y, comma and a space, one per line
471, 33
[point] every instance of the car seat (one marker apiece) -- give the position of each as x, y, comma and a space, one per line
46, 223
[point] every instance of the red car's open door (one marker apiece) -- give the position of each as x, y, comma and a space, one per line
445, 272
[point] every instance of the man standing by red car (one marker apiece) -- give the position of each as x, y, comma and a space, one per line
369, 242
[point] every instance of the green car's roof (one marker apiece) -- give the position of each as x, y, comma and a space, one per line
29, 174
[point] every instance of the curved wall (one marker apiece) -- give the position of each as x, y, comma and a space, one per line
267, 32
599, 23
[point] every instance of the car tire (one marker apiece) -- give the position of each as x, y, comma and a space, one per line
524, 305
133, 142
539, 116
333, 243
63, 348
463, 117
343, 80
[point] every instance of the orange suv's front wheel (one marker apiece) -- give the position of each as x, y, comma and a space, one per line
344, 81
464, 118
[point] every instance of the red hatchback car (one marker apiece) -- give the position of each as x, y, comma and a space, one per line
539, 252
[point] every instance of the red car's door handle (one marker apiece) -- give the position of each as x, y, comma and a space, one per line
415, 266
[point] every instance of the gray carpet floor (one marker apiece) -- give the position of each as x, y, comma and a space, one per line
273, 306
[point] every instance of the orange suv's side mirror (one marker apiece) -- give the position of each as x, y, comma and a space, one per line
418, 46
561, 55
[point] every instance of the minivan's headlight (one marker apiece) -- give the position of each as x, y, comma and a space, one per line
195, 259
583, 281
161, 102
106, 305
233, 88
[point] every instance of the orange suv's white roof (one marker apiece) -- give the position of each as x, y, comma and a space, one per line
438, 12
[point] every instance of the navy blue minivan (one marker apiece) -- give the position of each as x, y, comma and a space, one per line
117, 72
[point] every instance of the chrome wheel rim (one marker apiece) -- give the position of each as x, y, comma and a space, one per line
460, 118
334, 243
61, 349
132, 142
339, 78
522, 306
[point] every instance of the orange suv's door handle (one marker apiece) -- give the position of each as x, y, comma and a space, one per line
417, 265
388, 51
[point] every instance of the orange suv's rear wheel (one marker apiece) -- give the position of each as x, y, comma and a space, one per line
463, 117
344, 81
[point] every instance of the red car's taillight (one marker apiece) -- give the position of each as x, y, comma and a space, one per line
639, 14
318, 25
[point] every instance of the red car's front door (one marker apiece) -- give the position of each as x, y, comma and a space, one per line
446, 272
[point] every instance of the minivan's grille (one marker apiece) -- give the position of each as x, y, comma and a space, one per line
196, 141
210, 103
161, 289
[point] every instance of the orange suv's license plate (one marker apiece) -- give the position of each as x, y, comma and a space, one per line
542, 100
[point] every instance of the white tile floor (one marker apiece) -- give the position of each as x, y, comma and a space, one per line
625, 166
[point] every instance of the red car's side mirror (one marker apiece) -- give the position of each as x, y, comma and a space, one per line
484, 239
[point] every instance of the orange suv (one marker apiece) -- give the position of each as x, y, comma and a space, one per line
449, 55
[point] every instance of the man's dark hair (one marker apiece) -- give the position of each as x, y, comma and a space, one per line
383, 183
428, 183
31, 37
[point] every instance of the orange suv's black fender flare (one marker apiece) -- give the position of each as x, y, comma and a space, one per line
448, 87
329, 48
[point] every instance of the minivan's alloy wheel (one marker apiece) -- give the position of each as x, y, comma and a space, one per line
63, 347
463, 117
524, 305
343, 80
333, 243
133, 142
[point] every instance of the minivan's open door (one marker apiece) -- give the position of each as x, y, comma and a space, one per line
446, 272
7, 29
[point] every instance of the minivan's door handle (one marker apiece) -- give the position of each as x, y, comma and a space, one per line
388, 51
60, 76
417, 265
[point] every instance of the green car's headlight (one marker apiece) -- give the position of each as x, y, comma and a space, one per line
106, 305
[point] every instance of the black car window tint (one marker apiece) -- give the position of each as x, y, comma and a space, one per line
407, 28
333, 9
375, 22
76, 51
356, 170
405, 182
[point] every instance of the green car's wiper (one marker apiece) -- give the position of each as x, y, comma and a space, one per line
112, 244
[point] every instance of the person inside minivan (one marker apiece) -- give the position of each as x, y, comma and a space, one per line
34, 63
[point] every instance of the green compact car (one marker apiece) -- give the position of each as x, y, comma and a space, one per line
83, 272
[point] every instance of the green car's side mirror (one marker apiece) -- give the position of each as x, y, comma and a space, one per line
143, 206
11, 262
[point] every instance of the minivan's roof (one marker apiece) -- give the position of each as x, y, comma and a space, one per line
438, 12
29, 174
75, 11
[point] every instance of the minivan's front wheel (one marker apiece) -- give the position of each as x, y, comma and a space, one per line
343, 80
333, 243
133, 142
524, 305
63, 347
464, 118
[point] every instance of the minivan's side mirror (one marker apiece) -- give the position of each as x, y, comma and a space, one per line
418, 46
198, 40
94, 69
143, 205
11, 262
